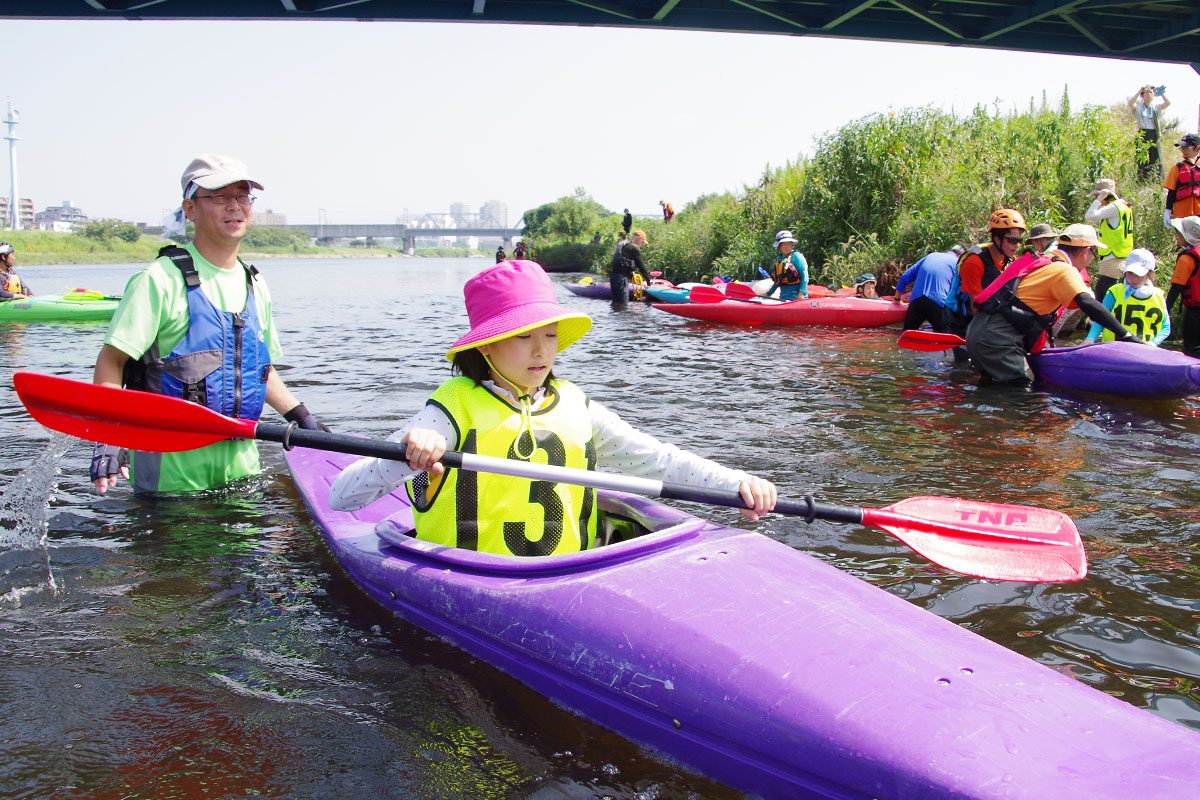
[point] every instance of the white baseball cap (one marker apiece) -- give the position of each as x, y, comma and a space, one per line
212, 171
1140, 262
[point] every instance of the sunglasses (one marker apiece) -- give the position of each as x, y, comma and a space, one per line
1012, 239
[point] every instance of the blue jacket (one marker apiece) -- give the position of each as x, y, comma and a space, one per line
930, 277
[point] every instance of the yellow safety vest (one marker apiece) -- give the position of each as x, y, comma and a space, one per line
1118, 241
501, 514
12, 283
1143, 317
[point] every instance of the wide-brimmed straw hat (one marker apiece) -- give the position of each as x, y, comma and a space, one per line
511, 298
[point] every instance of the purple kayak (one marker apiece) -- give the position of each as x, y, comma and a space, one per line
597, 290
758, 665
1123, 369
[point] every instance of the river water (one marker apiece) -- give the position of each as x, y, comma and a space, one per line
211, 648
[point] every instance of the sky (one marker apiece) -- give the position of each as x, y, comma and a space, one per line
364, 122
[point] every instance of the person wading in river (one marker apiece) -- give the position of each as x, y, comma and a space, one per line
196, 324
1016, 312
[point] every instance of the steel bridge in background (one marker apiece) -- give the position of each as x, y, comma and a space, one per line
323, 231
1140, 30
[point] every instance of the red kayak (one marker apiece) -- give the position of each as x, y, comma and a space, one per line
840, 312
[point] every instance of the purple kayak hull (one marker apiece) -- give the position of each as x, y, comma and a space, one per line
1122, 369
596, 291
760, 666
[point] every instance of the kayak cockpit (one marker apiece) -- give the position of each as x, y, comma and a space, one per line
630, 527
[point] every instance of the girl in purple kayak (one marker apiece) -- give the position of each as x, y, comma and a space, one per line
509, 404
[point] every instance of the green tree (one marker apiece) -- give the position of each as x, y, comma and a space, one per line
105, 230
574, 218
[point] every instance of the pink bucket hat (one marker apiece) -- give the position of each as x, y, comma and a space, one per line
511, 298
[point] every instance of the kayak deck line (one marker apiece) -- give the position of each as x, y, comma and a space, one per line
763, 667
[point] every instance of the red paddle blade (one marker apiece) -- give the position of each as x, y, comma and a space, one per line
929, 341
137, 420
987, 539
741, 291
706, 294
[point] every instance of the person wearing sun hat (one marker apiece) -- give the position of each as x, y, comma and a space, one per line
1113, 219
1137, 302
1185, 281
789, 273
508, 403
1018, 310
174, 334
1041, 238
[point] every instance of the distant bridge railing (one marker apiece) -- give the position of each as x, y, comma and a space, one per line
396, 231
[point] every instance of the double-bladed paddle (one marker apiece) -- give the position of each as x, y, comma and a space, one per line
987, 540
929, 341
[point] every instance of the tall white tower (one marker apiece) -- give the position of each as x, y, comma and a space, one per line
14, 199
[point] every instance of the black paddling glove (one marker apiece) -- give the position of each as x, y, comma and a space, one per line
302, 417
107, 460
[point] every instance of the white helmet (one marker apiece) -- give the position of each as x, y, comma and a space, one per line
5, 248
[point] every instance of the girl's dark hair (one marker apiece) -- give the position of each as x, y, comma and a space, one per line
473, 365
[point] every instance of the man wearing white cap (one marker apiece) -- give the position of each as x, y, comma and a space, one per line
196, 324
1017, 312
1137, 302
1185, 281
1113, 219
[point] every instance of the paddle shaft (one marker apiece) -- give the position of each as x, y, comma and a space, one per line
647, 487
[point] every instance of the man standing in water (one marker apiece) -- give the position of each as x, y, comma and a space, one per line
627, 258
196, 324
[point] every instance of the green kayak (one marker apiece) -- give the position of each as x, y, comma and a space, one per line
79, 304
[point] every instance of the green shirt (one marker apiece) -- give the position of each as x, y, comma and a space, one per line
154, 311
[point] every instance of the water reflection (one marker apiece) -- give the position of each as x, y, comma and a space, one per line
213, 646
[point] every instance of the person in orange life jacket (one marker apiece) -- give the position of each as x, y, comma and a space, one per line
12, 286
1136, 302
182, 322
1183, 182
668, 210
508, 403
1016, 312
1113, 219
1185, 281
625, 259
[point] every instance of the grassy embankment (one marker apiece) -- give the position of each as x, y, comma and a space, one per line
886, 189
46, 247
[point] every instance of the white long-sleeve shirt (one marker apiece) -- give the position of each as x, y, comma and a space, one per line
1097, 213
618, 446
